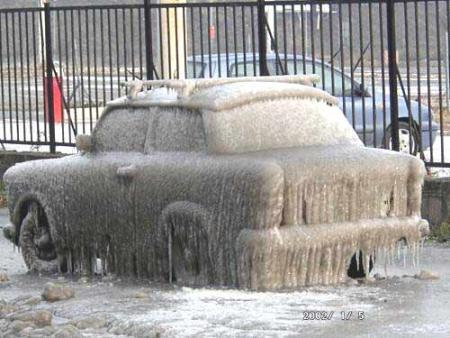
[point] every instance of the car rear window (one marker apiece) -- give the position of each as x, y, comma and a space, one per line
275, 124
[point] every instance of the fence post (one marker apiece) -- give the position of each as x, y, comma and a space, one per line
148, 40
262, 39
392, 59
49, 75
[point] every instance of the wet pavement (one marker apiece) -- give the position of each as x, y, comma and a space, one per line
400, 306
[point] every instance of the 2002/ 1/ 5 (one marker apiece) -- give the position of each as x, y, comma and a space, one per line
328, 315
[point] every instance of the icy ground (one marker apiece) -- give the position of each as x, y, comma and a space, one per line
110, 307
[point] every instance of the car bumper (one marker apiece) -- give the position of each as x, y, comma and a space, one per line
9, 232
429, 136
299, 255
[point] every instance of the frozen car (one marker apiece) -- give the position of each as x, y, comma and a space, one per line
252, 183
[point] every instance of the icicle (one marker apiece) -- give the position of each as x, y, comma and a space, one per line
405, 254
366, 264
358, 254
385, 265
414, 255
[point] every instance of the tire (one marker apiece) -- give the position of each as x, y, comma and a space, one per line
38, 250
404, 138
357, 270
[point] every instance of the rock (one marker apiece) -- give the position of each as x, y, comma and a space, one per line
367, 280
33, 301
67, 331
426, 275
3, 277
377, 276
40, 318
55, 292
351, 281
90, 322
20, 299
18, 325
6, 309
41, 332
141, 295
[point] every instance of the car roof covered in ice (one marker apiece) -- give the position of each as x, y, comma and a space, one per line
221, 94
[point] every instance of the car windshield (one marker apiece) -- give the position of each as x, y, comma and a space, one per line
331, 80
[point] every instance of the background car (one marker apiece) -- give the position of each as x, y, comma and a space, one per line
367, 111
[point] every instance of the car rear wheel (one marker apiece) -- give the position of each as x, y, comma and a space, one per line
35, 241
408, 138
357, 269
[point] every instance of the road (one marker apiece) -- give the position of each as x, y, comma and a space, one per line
393, 307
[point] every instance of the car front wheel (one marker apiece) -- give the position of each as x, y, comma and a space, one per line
35, 241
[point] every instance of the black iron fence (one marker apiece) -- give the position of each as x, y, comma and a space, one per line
387, 61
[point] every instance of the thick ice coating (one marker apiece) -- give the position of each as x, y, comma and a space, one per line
250, 185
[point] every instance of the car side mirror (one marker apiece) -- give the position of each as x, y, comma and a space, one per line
84, 143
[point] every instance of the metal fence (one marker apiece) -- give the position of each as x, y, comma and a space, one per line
387, 61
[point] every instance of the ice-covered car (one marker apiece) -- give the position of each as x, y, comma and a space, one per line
253, 183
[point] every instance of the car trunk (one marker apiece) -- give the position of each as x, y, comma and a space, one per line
326, 184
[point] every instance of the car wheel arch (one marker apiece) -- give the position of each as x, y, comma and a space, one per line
191, 214
21, 209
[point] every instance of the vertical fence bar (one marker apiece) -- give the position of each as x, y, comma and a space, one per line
233, 7
252, 15
408, 77
428, 71
372, 76
141, 67
352, 73
361, 63
49, 75
34, 32
392, 58
81, 77
22, 79
262, 39
2, 88
16, 94
217, 42
438, 50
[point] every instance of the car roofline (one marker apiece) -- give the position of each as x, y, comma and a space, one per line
240, 57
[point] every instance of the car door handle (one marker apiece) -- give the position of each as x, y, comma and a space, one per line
127, 171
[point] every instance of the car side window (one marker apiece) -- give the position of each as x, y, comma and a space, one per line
247, 68
195, 69
331, 80
335, 82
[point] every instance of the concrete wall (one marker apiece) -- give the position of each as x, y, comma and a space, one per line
9, 158
436, 201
